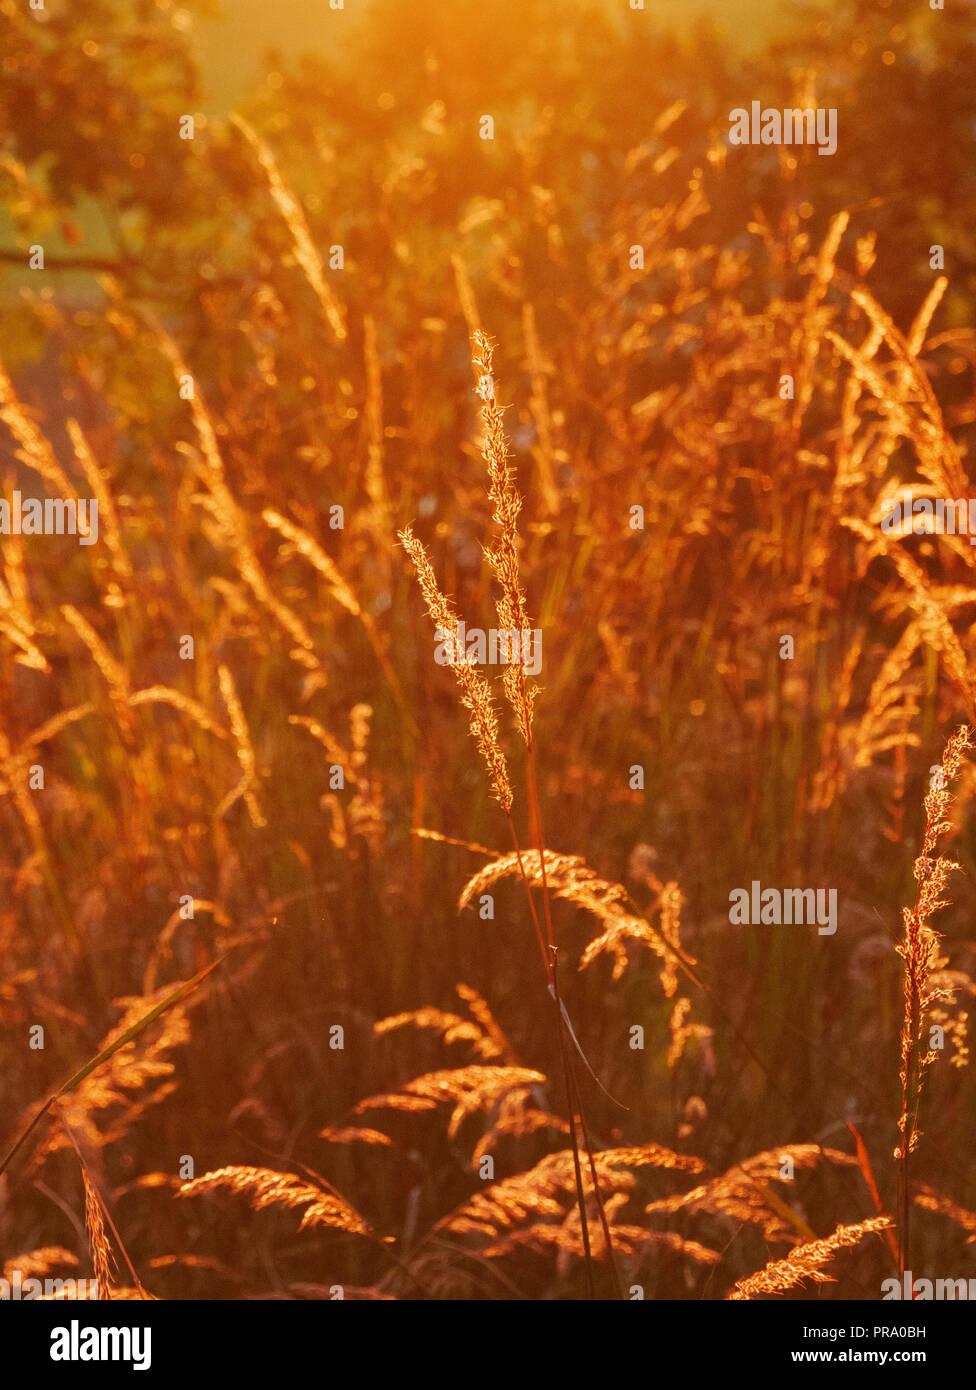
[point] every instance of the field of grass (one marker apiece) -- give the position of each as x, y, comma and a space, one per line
411, 978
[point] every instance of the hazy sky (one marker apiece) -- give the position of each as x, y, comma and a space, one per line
231, 48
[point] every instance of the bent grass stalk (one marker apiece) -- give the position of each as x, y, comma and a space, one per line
177, 996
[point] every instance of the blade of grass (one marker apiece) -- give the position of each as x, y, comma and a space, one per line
865, 1165
181, 992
